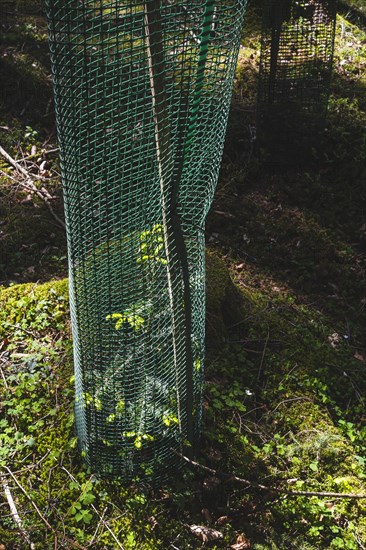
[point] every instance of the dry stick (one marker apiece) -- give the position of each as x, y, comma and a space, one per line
96, 511
263, 355
14, 163
107, 527
302, 398
101, 522
15, 514
29, 498
4, 377
29, 185
47, 524
232, 477
43, 151
19, 168
359, 542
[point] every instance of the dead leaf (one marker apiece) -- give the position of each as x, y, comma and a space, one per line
225, 214
334, 339
241, 546
359, 356
205, 534
242, 543
206, 514
153, 522
222, 520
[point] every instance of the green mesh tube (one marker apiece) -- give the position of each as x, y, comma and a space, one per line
297, 47
142, 92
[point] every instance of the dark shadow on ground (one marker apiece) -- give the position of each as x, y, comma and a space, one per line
32, 243
304, 224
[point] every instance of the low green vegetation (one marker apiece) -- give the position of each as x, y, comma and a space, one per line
357, 5
284, 401
284, 407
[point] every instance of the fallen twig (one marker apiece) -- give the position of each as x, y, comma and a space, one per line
101, 522
73, 543
13, 162
49, 151
4, 377
30, 467
41, 152
15, 514
260, 370
231, 477
101, 518
28, 184
29, 498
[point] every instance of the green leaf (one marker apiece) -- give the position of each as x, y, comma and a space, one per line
75, 507
313, 466
120, 406
84, 516
87, 498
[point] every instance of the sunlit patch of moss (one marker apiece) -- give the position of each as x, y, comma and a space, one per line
356, 4
274, 415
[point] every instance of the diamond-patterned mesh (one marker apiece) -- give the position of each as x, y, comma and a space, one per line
295, 69
142, 92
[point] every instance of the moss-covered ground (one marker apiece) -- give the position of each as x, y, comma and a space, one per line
285, 389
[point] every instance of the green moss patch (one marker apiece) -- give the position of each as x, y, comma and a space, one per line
283, 407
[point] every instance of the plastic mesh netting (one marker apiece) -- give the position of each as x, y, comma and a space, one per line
295, 69
142, 92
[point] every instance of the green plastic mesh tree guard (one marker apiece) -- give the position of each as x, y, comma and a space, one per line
142, 92
296, 62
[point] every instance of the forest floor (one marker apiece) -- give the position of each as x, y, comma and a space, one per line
285, 391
